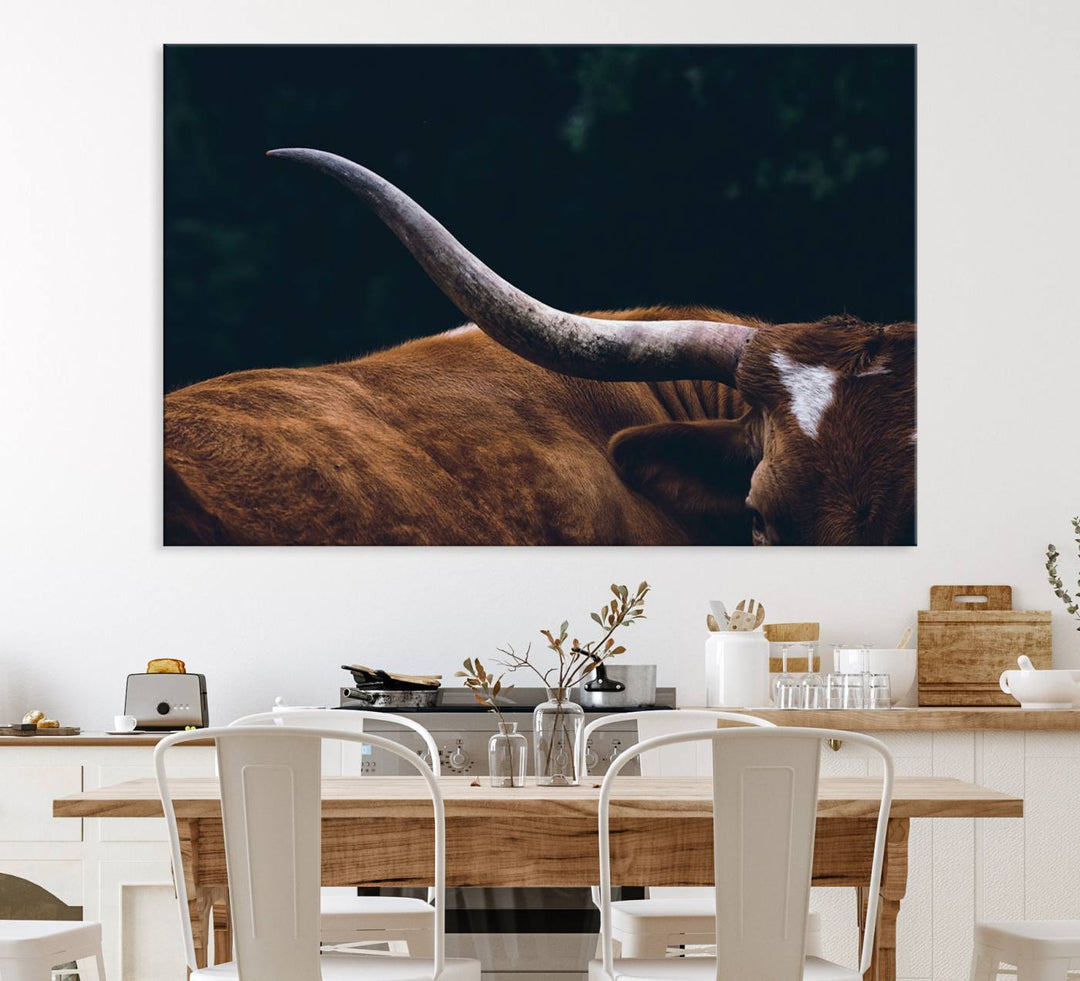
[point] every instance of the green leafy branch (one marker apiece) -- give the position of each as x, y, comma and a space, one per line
1072, 606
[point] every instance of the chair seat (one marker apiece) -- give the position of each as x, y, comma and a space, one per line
376, 912
367, 967
693, 915
46, 938
1031, 939
704, 969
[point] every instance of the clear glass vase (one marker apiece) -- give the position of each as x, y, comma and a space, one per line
508, 754
557, 725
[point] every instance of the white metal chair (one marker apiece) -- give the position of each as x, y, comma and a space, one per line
765, 789
1041, 950
677, 916
30, 949
271, 809
346, 917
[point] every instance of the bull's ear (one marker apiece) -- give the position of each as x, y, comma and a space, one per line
695, 471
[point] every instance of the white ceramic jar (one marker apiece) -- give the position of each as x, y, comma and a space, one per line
737, 669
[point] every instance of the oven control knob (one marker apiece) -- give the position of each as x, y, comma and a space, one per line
591, 757
162, 708
458, 758
614, 752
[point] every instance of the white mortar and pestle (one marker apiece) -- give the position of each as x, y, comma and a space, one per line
1034, 689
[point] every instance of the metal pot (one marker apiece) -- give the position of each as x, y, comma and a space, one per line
388, 698
619, 686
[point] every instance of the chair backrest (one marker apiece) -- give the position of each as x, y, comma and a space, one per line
271, 809
765, 790
348, 720
675, 762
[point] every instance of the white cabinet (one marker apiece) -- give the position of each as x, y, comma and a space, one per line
26, 803
117, 870
961, 869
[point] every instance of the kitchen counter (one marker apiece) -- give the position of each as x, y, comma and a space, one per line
923, 719
90, 739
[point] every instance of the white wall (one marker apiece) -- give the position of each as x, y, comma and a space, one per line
87, 594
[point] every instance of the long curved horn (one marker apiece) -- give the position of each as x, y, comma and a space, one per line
611, 350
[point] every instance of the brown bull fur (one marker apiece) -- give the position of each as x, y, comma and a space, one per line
453, 439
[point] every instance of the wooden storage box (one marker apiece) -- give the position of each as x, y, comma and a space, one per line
964, 645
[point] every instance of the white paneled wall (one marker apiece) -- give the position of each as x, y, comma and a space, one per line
962, 869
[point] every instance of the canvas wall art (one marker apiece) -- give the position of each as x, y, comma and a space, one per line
579, 295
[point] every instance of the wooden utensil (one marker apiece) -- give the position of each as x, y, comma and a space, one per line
904, 638
361, 673
747, 616
710, 622
720, 614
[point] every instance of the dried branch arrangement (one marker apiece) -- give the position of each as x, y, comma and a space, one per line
486, 688
575, 659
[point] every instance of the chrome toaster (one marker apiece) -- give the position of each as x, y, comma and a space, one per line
167, 701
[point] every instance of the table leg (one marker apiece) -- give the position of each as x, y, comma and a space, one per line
199, 914
893, 889
222, 922
201, 899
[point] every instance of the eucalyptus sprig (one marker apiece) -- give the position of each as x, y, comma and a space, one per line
1072, 606
486, 688
575, 659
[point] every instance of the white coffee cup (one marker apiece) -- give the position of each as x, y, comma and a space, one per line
124, 723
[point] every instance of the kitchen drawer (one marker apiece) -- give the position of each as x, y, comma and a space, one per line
26, 804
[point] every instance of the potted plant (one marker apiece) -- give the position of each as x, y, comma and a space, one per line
557, 723
1071, 603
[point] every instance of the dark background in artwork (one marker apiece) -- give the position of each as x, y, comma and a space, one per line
774, 181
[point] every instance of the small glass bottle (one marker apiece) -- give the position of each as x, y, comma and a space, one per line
557, 725
508, 754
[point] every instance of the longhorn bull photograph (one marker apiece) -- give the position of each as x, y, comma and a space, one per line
661, 418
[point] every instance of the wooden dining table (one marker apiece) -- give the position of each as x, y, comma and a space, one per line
377, 831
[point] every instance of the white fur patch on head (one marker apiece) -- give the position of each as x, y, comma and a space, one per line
810, 387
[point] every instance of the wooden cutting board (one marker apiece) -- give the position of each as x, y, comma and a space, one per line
56, 731
968, 637
792, 633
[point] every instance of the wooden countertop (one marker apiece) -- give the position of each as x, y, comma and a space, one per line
92, 739
922, 719
407, 797
853, 720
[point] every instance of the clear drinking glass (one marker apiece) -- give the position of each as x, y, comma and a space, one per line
788, 692
557, 725
784, 678
853, 691
508, 754
813, 691
879, 693
834, 690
